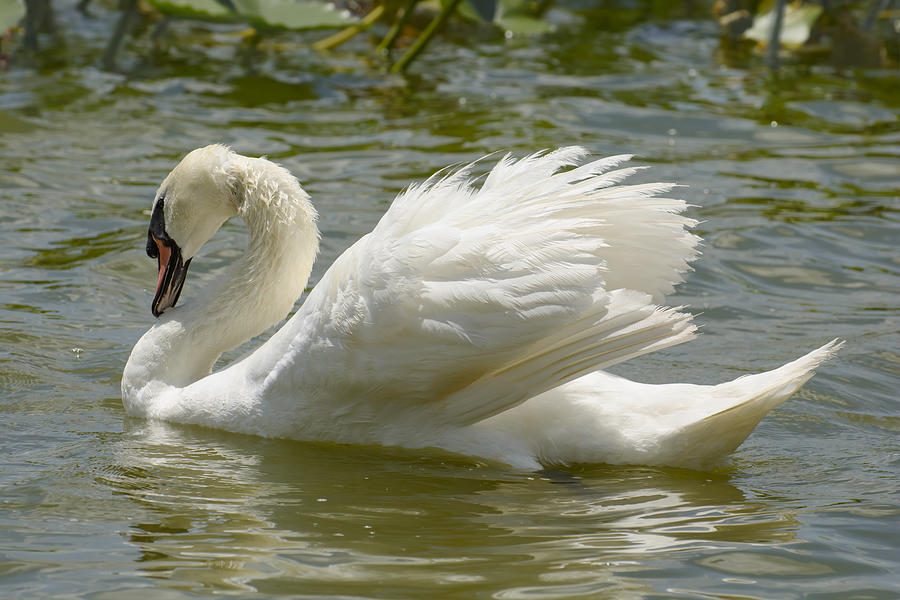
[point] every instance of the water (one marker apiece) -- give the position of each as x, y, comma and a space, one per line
796, 181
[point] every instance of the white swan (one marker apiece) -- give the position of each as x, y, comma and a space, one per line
474, 320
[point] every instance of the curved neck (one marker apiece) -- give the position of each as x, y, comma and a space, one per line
248, 297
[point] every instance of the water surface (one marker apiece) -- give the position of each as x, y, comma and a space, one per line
795, 180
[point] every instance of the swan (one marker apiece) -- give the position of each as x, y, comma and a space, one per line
474, 319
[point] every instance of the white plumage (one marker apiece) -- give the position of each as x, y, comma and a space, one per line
472, 319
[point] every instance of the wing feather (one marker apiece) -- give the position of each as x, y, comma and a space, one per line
464, 302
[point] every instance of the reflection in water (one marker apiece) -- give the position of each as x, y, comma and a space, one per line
228, 512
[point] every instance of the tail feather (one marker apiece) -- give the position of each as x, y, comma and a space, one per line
751, 397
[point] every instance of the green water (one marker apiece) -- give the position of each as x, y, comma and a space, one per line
795, 181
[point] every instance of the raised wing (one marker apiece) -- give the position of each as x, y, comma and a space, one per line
464, 302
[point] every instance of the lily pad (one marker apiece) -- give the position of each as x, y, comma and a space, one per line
11, 13
281, 14
518, 17
524, 25
293, 14
795, 27
202, 9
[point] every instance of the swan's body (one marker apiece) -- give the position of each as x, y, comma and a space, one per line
475, 321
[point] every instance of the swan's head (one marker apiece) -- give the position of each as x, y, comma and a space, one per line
189, 207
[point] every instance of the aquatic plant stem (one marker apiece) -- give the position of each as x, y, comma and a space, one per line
775, 41
426, 36
38, 18
129, 13
387, 44
342, 36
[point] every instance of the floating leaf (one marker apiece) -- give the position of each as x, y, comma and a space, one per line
514, 17
517, 17
523, 25
11, 13
795, 27
293, 14
196, 9
281, 14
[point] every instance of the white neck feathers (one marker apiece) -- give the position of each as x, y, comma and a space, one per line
249, 296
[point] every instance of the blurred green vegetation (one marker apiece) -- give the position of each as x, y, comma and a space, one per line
842, 33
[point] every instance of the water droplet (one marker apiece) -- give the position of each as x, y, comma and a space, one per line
773, 124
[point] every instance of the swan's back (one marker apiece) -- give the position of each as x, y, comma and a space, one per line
465, 301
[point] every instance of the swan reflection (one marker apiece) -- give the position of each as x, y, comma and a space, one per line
220, 511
